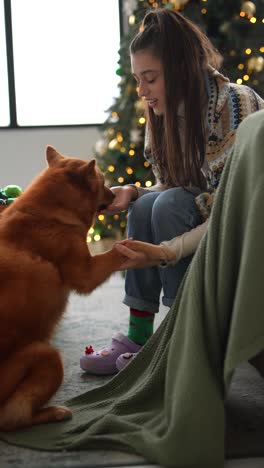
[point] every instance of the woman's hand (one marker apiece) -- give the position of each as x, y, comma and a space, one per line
123, 196
139, 254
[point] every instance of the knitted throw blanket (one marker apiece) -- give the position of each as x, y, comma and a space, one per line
168, 404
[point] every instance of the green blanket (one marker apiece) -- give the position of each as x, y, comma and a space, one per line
168, 404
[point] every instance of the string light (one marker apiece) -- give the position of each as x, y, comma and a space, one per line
131, 152
138, 184
97, 237
132, 19
120, 180
148, 183
119, 137
142, 120
129, 170
101, 217
91, 230
111, 168
146, 164
88, 239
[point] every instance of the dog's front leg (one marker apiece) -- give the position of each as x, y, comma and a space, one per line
86, 273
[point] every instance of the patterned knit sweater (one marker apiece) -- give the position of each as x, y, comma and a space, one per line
228, 105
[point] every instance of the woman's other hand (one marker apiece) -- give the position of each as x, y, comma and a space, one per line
123, 196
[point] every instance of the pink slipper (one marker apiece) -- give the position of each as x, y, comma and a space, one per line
124, 359
103, 362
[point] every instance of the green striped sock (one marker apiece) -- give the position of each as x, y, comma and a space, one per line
140, 326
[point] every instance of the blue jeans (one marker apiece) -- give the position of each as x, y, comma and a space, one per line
155, 217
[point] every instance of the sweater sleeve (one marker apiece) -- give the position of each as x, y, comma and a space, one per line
184, 245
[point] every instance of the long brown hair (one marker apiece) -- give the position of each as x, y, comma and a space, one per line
185, 53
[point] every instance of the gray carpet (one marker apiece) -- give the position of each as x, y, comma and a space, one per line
93, 320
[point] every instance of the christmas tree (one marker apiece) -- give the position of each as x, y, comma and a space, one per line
237, 30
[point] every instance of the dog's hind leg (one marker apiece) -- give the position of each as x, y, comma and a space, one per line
30, 377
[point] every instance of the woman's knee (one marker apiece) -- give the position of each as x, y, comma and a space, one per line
176, 209
140, 212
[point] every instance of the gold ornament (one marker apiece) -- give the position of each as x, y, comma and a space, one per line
259, 64
135, 135
178, 3
256, 64
113, 144
251, 63
249, 8
109, 132
101, 146
140, 106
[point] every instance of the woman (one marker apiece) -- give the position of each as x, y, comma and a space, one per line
192, 115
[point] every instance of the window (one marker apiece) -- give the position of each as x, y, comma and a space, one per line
65, 55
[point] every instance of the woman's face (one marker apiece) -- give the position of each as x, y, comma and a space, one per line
148, 72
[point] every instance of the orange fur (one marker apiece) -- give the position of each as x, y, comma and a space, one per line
44, 256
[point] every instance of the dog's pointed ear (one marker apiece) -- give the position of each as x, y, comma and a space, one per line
52, 156
91, 166
92, 175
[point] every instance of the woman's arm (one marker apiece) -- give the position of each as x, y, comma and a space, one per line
142, 254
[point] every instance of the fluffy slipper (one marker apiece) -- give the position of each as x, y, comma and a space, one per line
124, 359
103, 362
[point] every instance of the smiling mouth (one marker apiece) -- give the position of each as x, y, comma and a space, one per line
152, 102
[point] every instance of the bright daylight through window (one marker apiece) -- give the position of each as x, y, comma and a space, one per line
65, 58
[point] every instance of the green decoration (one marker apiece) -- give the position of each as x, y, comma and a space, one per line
12, 191
10, 200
